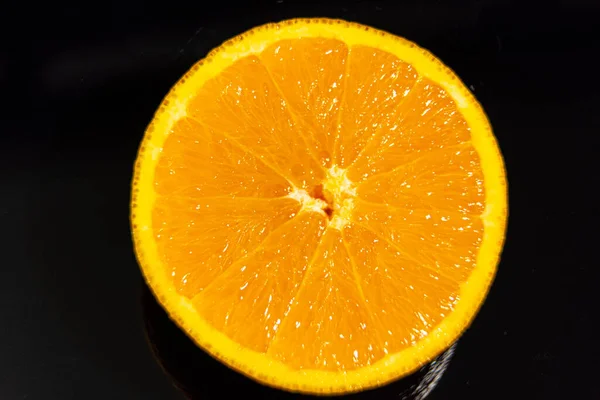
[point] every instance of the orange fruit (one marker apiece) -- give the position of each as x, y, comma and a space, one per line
320, 205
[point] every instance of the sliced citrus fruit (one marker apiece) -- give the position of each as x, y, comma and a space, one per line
320, 205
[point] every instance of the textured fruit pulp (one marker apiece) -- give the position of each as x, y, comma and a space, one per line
320, 203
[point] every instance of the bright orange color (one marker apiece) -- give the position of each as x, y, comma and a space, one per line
319, 205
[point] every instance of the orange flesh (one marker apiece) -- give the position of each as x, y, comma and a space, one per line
284, 280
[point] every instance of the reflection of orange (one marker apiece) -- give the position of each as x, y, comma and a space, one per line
320, 205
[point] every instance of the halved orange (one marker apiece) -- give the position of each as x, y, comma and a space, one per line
320, 205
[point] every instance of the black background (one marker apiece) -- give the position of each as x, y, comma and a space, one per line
81, 81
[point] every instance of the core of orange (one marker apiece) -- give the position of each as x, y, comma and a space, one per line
320, 205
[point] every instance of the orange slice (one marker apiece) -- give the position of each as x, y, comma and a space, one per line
320, 205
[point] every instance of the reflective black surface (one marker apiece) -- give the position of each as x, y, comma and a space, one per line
81, 81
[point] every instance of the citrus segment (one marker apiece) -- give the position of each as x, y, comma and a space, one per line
196, 162
310, 75
243, 105
249, 301
426, 236
328, 328
199, 238
447, 179
405, 297
427, 120
376, 84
